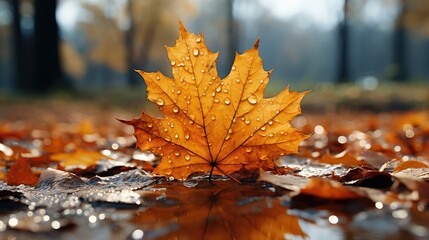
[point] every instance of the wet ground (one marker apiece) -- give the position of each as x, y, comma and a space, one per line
93, 184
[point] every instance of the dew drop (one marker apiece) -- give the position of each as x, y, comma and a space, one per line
270, 135
218, 89
202, 70
175, 109
248, 149
169, 161
213, 94
195, 51
173, 63
258, 119
176, 136
181, 64
165, 130
198, 39
168, 172
247, 121
177, 154
252, 99
178, 92
157, 77
261, 81
213, 117
263, 128
270, 123
160, 101
216, 100
233, 68
149, 139
149, 125
238, 80
187, 136
187, 157
227, 101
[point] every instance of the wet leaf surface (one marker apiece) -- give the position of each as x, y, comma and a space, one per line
210, 124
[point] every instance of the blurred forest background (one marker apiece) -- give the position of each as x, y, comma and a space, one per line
96, 44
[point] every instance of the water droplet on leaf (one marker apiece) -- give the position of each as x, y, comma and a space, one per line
195, 51
252, 99
160, 101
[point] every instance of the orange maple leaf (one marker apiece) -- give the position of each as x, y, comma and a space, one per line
213, 125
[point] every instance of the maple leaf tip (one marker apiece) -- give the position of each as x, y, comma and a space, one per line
182, 28
128, 122
256, 45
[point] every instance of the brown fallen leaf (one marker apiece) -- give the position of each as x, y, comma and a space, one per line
314, 186
225, 210
410, 164
214, 125
80, 157
20, 173
344, 158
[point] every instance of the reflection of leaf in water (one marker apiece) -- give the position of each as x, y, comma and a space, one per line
225, 210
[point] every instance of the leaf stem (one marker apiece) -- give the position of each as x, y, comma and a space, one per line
226, 174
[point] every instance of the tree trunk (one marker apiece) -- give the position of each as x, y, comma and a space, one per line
343, 46
47, 72
149, 37
19, 80
399, 46
231, 33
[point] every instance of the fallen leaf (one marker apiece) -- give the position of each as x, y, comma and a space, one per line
211, 125
80, 157
20, 173
314, 186
344, 158
410, 164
